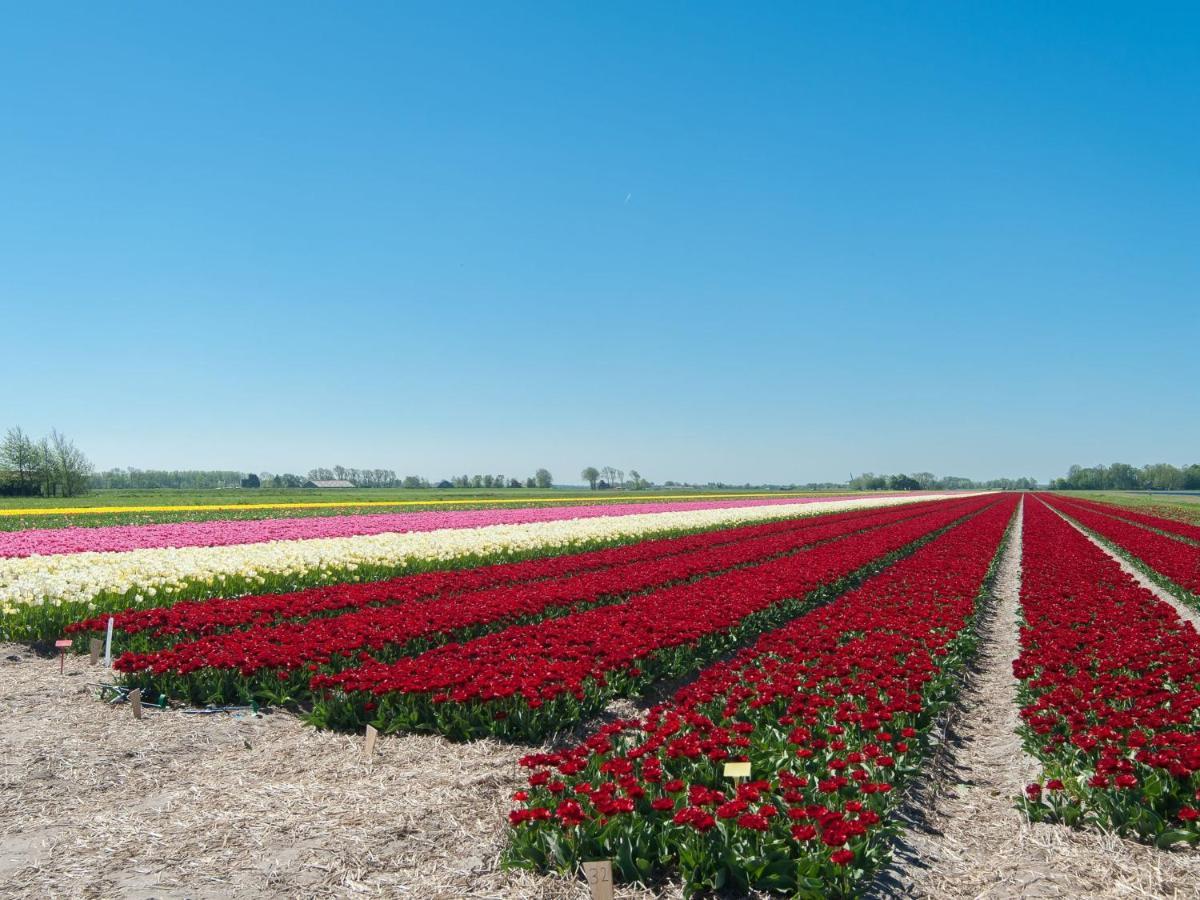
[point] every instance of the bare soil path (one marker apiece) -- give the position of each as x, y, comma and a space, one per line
97, 804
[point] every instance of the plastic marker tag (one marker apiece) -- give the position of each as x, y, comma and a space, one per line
94, 646
599, 878
369, 742
737, 770
135, 700
108, 644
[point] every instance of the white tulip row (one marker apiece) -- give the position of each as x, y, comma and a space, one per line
164, 573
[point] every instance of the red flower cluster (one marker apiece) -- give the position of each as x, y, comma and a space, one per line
402, 626
203, 617
1172, 558
1111, 690
1173, 526
528, 681
830, 710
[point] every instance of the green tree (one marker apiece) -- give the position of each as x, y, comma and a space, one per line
591, 475
543, 479
68, 464
19, 461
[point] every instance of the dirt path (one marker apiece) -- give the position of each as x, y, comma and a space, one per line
96, 804
967, 838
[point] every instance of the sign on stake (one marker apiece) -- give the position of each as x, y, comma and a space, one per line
135, 700
108, 644
737, 771
369, 742
94, 646
599, 878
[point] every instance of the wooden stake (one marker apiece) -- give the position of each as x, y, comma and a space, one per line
135, 700
94, 646
369, 742
599, 878
62, 653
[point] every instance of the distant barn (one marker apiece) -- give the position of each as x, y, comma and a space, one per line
339, 483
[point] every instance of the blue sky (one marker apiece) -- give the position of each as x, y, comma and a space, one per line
708, 241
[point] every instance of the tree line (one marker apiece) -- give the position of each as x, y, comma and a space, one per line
607, 478
220, 479
1124, 477
180, 479
49, 467
927, 481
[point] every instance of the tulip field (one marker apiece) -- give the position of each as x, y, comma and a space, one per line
629, 652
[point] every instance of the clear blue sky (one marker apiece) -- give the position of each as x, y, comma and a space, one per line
706, 241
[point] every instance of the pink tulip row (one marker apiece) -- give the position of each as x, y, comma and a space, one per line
223, 533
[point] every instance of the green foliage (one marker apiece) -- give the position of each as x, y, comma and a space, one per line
1124, 477
52, 467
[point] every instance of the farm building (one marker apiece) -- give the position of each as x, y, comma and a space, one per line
337, 483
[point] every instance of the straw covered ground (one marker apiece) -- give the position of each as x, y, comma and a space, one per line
97, 804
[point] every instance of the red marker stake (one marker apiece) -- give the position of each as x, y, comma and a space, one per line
62, 654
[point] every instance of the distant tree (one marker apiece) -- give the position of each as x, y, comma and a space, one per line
543, 478
903, 483
68, 463
1162, 477
591, 475
19, 462
636, 481
531, 482
251, 481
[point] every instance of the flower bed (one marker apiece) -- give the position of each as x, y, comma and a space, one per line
41, 595
274, 662
201, 617
1171, 559
1110, 691
832, 713
224, 533
1172, 526
528, 681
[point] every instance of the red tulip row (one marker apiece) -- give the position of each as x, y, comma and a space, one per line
1110, 691
529, 681
275, 661
831, 712
201, 617
1173, 526
1175, 560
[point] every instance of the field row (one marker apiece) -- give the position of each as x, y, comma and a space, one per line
217, 533
740, 574
41, 595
